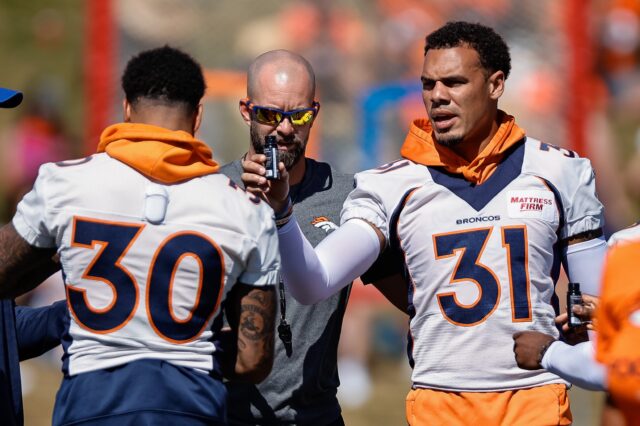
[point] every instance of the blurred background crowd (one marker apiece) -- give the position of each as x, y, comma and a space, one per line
575, 84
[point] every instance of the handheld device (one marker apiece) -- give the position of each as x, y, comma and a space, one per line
574, 297
271, 151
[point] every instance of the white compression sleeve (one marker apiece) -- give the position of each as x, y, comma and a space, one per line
584, 261
313, 275
576, 364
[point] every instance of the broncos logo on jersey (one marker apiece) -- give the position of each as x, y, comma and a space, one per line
324, 223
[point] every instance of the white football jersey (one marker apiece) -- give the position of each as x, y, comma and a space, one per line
143, 281
481, 260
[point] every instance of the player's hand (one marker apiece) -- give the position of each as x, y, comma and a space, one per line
585, 312
274, 191
528, 347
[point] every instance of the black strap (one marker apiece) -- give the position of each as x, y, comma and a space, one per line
284, 329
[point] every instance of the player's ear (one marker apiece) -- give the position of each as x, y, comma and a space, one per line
197, 120
496, 85
126, 111
245, 111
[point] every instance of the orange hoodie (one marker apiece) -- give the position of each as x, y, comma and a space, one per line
420, 147
163, 155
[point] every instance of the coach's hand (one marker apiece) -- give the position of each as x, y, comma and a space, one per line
275, 191
529, 347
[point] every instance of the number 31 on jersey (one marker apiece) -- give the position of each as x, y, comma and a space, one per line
469, 245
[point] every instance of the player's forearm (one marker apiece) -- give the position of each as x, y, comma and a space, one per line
314, 275
256, 323
39, 329
576, 364
22, 266
301, 270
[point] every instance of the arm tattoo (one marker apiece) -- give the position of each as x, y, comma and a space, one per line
252, 324
258, 296
256, 326
251, 314
256, 319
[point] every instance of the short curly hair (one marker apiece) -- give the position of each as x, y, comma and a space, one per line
492, 49
164, 74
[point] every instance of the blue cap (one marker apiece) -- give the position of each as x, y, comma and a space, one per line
9, 98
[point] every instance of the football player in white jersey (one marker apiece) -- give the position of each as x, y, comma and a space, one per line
481, 217
154, 244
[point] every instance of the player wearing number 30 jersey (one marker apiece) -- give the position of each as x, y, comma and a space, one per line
154, 244
137, 286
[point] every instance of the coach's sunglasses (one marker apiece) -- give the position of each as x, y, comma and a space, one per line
274, 116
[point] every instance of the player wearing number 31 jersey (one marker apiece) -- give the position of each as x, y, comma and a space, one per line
481, 260
481, 217
154, 244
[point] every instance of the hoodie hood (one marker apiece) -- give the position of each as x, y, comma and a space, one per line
161, 154
420, 147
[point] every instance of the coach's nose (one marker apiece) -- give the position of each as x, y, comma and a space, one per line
285, 127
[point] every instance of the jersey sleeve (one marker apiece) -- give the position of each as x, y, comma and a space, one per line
582, 209
263, 263
31, 219
365, 202
378, 192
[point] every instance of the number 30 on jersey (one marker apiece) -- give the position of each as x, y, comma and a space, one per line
116, 239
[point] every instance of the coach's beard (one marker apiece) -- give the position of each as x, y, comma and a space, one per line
290, 158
